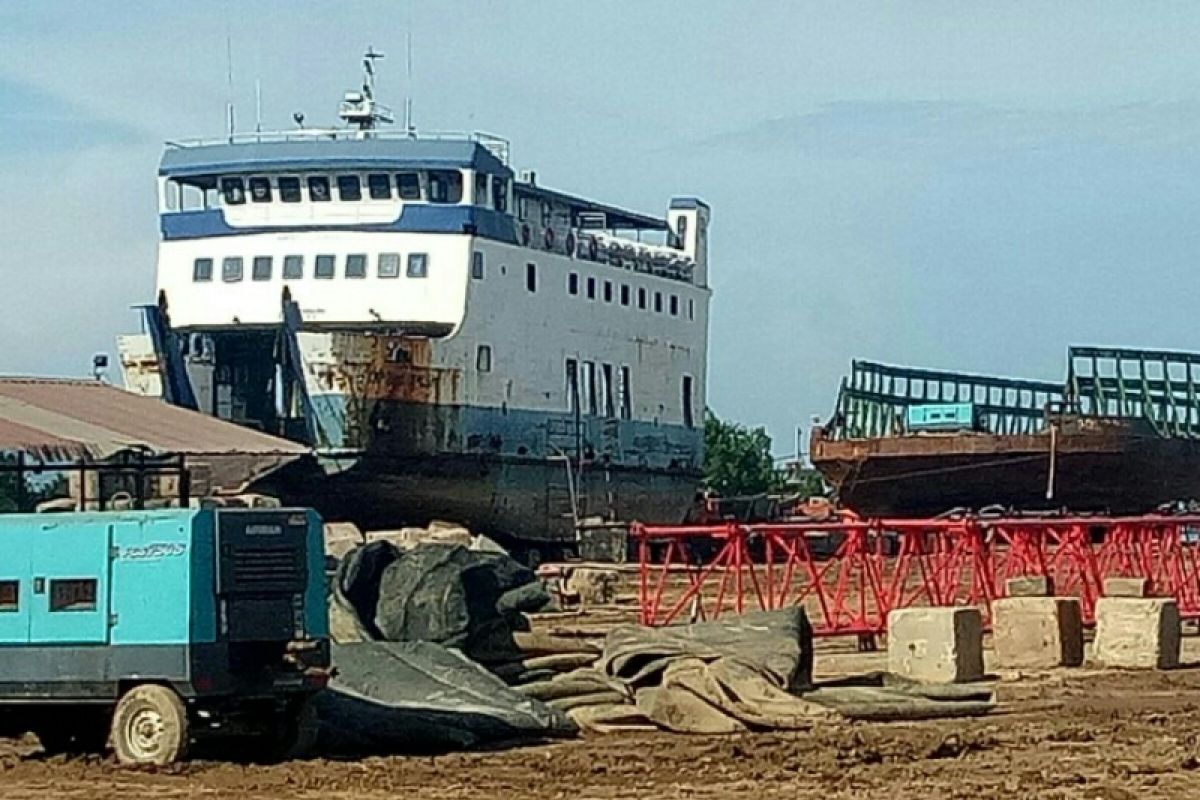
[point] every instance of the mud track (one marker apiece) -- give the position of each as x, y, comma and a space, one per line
1082, 734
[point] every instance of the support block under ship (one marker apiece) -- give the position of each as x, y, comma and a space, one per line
1121, 435
454, 340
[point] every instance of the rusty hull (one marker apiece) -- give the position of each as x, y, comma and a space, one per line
1080, 463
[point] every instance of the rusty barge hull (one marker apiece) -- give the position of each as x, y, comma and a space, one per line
1121, 434
1086, 466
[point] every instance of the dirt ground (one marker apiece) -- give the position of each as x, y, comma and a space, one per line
1063, 734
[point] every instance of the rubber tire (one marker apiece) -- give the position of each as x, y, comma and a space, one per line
297, 736
173, 738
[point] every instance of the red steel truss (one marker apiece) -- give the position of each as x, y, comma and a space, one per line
849, 574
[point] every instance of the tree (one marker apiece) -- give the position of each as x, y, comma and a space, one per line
737, 459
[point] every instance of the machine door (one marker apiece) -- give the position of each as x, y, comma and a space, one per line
71, 573
15, 591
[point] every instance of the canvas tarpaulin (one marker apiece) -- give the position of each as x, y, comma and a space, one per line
418, 696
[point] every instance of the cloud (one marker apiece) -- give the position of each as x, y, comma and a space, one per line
955, 133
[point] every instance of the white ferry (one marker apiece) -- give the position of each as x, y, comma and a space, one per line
453, 339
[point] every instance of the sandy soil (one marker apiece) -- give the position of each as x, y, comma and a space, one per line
1063, 734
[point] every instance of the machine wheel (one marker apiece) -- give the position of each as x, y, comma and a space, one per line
296, 735
150, 726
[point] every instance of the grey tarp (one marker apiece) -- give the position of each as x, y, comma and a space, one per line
461, 598
417, 696
748, 672
720, 676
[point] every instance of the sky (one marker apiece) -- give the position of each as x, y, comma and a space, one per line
959, 185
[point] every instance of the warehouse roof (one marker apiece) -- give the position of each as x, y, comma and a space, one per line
51, 418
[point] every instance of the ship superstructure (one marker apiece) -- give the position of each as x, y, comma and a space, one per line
455, 339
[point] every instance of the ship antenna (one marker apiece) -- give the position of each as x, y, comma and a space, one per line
409, 127
229, 83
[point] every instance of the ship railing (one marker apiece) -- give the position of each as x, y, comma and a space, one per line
663, 261
873, 400
497, 145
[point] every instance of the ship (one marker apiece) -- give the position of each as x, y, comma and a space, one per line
453, 339
1119, 435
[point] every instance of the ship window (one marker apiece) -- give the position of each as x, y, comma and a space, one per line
171, 195
674, 305
202, 269
625, 390
483, 358
573, 283
608, 291
409, 185
687, 401
379, 186
681, 231
233, 190
572, 385
349, 187
500, 194
260, 190
477, 265
318, 188
289, 190
356, 266
418, 265
293, 267
589, 387
658, 302
445, 186
642, 298
481, 189
73, 594
691, 308
260, 268
389, 265
325, 267
591, 288
606, 391
624, 294
531, 277
9, 595
231, 269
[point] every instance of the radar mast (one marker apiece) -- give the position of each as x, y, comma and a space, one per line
360, 108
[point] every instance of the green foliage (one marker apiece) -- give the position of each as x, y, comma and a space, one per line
43, 487
737, 459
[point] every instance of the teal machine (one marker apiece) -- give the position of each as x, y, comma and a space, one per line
153, 629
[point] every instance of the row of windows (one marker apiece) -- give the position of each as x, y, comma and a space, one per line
435, 186
662, 302
66, 594
604, 390
599, 389
354, 265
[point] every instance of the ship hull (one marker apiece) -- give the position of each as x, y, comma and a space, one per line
511, 499
1113, 466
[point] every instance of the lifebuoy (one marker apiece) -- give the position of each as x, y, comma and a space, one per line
593, 248
549, 238
525, 234
571, 245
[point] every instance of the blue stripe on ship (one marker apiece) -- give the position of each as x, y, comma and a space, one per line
483, 222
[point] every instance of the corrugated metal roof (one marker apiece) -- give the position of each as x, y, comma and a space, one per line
63, 418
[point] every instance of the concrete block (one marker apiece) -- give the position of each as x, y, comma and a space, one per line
1137, 632
936, 645
1126, 587
1029, 586
1037, 632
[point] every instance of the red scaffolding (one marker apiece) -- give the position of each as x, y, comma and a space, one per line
849, 574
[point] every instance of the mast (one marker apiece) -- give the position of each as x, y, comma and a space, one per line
360, 108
